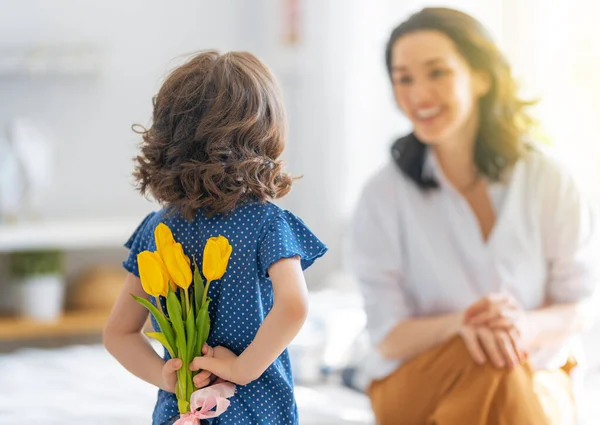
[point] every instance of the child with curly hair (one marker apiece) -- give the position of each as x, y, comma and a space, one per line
211, 158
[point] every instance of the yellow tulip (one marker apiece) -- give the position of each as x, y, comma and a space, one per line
216, 257
153, 273
178, 264
163, 237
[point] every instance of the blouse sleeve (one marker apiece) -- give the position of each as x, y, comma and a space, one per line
571, 240
287, 236
139, 241
376, 257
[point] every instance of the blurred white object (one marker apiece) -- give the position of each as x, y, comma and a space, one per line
66, 234
306, 352
11, 181
29, 170
328, 339
42, 297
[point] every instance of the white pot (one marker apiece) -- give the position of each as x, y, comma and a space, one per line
42, 297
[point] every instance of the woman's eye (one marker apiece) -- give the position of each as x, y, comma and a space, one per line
437, 73
404, 80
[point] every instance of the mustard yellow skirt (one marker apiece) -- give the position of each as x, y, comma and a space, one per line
443, 386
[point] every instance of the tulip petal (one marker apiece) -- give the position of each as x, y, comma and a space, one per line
163, 236
216, 257
210, 260
152, 273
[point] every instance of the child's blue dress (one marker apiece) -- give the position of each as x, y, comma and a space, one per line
260, 234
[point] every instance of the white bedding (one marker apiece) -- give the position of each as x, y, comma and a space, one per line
84, 384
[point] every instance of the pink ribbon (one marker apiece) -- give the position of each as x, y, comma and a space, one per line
205, 400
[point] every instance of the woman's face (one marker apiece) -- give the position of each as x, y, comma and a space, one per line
435, 86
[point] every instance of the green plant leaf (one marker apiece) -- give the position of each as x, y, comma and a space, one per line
35, 263
203, 327
183, 405
190, 332
176, 316
163, 322
160, 337
198, 286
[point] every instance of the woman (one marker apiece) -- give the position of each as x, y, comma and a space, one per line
475, 251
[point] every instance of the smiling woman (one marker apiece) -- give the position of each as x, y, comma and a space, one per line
476, 252
456, 88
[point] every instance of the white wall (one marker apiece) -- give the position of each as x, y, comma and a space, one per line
89, 118
341, 113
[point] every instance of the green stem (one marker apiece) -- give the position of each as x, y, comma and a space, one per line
187, 302
206, 291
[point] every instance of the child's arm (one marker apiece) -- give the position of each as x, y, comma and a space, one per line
123, 338
282, 324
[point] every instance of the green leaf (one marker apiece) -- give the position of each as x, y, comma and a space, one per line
198, 285
203, 327
183, 405
175, 314
160, 337
190, 331
163, 322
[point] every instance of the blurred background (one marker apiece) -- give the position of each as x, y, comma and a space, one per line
74, 77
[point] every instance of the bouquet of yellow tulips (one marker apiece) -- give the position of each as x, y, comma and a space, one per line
184, 329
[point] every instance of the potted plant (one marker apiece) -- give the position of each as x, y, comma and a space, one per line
40, 283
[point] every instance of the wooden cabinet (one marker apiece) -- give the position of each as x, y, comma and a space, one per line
80, 239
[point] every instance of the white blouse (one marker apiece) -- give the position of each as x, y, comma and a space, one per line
419, 254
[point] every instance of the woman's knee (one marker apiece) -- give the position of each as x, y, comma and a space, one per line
453, 354
518, 379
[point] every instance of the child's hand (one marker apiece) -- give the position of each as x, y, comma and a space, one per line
169, 374
204, 378
222, 362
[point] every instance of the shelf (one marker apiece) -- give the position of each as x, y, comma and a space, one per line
43, 61
71, 324
66, 235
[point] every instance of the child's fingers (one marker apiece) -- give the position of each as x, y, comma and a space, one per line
207, 364
172, 365
202, 379
207, 350
205, 374
196, 363
202, 384
168, 374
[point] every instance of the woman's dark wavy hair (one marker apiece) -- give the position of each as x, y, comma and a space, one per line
503, 124
218, 128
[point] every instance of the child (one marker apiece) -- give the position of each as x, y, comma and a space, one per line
211, 159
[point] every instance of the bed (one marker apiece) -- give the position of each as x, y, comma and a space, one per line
79, 384
84, 384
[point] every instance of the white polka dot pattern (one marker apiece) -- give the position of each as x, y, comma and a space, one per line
260, 234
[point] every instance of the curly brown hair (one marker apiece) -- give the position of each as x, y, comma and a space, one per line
504, 123
217, 131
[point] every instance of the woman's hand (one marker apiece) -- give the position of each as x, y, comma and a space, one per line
494, 329
221, 362
498, 346
498, 312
